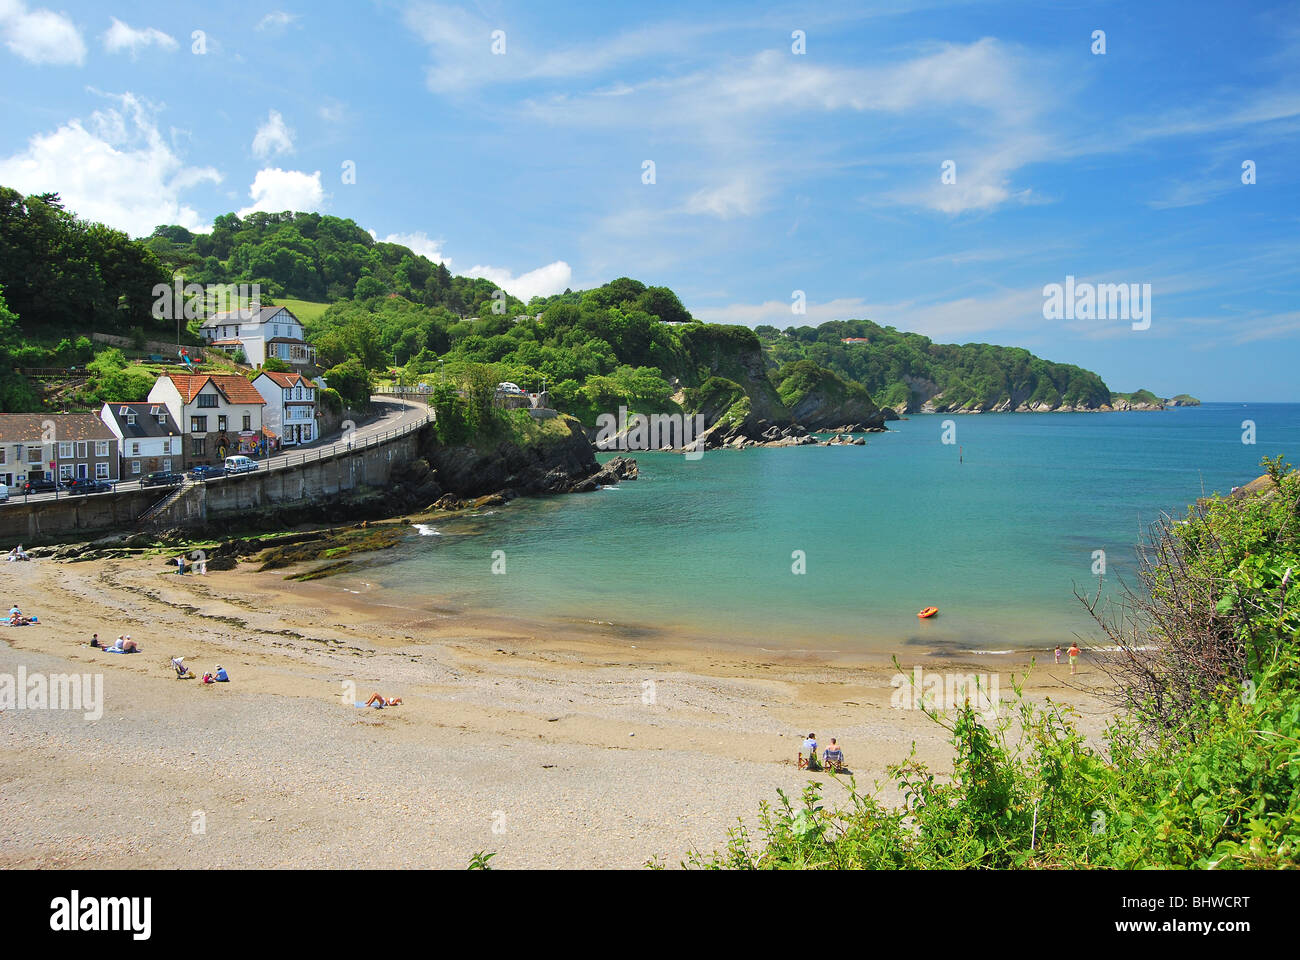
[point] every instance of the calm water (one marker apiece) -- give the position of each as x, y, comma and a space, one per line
997, 541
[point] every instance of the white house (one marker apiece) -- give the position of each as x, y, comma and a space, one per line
148, 437
265, 332
218, 414
290, 409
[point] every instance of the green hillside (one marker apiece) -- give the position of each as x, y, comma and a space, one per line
909, 372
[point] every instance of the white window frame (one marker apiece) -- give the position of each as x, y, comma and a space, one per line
167, 465
83, 450
135, 448
101, 448
101, 471
65, 471
66, 450
135, 466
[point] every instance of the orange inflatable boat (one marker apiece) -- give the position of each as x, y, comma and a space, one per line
928, 612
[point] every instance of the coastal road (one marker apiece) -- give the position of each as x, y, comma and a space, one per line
392, 415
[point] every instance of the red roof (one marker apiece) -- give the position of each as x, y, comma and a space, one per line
288, 379
234, 388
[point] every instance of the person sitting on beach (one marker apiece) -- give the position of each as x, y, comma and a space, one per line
182, 671
222, 676
14, 611
833, 756
208, 678
810, 746
94, 640
124, 645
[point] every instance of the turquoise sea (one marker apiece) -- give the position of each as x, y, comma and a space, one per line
997, 539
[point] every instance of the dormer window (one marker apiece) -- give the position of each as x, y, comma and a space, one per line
130, 419
162, 418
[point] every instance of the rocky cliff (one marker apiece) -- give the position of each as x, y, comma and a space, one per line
530, 458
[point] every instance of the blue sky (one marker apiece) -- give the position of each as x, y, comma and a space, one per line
774, 171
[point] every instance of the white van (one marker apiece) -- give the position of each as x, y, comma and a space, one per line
4, 493
239, 464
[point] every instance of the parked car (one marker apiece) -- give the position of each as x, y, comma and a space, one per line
162, 479
4, 492
84, 485
206, 471
39, 485
239, 464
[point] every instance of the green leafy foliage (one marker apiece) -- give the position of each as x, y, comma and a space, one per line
896, 367
64, 274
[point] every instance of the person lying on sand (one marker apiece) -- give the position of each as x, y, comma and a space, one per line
379, 702
182, 672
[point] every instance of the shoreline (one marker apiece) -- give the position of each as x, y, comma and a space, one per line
593, 751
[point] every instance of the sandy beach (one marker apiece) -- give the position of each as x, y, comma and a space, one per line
551, 746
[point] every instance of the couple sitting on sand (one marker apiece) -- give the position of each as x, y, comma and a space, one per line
122, 644
833, 757
18, 553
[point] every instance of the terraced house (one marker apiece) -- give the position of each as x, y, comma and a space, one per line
218, 414
148, 437
56, 446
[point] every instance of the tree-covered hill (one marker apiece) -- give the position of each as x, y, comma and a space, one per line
909, 372
311, 256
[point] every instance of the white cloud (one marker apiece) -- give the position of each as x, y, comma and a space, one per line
120, 37
116, 168
275, 191
739, 198
542, 282
273, 137
40, 36
276, 20
420, 243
